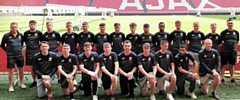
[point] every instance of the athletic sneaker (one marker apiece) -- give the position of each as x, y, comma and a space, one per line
99, 83
113, 97
34, 83
152, 97
95, 97
234, 81
192, 95
131, 96
223, 82
23, 86
75, 82
11, 89
215, 96
170, 97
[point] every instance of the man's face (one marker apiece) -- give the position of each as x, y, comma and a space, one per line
117, 28
87, 48
195, 26
14, 27
213, 27
102, 28
127, 46
161, 27
69, 27
44, 47
178, 26
208, 44
49, 26
230, 24
146, 29
85, 27
164, 46
146, 49
182, 51
66, 50
133, 29
107, 48
32, 26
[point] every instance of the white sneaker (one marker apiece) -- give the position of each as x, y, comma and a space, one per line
11, 89
99, 83
152, 97
198, 81
95, 97
23, 86
75, 82
170, 97
192, 95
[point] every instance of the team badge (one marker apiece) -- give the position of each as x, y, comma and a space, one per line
72, 36
81, 35
69, 60
165, 36
227, 32
158, 35
213, 55
186, 58
149, 59
19, 37
234, 33
89, 36
130, 58
217, 37
181, 34
92, 59
110, 57
36, 34
53, 35
167, 56
199, 35
120, 36
50, 59
136, 38
105, 37
150, 37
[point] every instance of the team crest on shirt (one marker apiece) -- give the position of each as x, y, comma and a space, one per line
199, 35
149, 59
62, 60
105, 37
217, 37
69, 60
36, 34
150, 37
130, 58
181, 34
234, 33
120, 36
92, 59
81, 35
110, 57
50, 59
19, 37
72, 36
186, 58
89, 36
53, 35
165, 36
213, 55
39, 59
167, 56
136, 38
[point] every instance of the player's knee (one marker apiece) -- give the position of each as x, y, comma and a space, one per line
204, 91
107, 92
144, 92
151, 81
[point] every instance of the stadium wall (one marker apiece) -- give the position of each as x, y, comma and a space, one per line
138, 6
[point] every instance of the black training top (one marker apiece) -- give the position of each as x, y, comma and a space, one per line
158, 37
209, 60
195, 41
182, 61
45, 65
230, 40
178, 38
146, 39
13, 45
99, 40
134, 41
146, 62
117, 39
216, 40
108, 62
127, 62
70, 39
164, 61
89, 63
32, 41
53, 38
68, 63
85, 37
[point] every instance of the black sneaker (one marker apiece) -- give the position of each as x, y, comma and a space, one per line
132, 96
34, 83
214, 94
234, 81
223, 82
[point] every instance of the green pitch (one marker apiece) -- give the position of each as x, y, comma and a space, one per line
226, 92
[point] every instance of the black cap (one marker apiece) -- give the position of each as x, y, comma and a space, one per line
146, 25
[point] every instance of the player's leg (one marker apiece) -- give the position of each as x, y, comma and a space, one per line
160, 85
224, 62
132, 85
40, 88
191, 87
232, 62
143, 86
123, 85
95, 89
20, 64
152, 88
70, 87
48, 86
64, 85
172, 80
114, 85
216, 81
205, 84
106, 82
99, 78
86, 81
181, 84
34, 77
10, 66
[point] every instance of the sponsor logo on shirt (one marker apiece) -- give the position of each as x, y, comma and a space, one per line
85, 60
181, 60
46, 36
227, 32
210, 37
158, 35
99, 36
50, 59
175, 34
62, 60
130, 37
205, 56
192, 34
81, 35
160, 56
104, 58
66, 36
29, 34
143, 59
39, 59
10, 37
143, 37
114, 35
123, 58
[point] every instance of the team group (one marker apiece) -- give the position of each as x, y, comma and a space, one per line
147, 59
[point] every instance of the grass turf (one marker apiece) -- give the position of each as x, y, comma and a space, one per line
228, 91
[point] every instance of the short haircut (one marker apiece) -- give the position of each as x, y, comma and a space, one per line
87, 44
106, 44
161, 23
196, 22
146, 25
212, 24
146, 45
208, 40
182, 46
68, 23
33, 21
66, 45
164, 42
133, 24
177, 22
127, 41
116, 24
48, 22
102, 24
14, 23
44, 42
229, 20
85, 23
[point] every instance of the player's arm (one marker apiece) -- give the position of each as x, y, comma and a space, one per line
61, 71
202, 63
4, 41
97, 67
172, 67
103, 68
142, 70
218, 65
122, 72
55, 67
35, 67
161, 70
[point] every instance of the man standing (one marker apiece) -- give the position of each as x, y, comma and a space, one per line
117, 38
177, 37
209, 68
159, 36
52, 37
146, 37
45, 65
12, 43
214, 36
166, 69
109, 66
85, 36
127, 67
147, 70
70, 38
230, 38
67, 67
183, 71
133, 37
32, 39
89, 67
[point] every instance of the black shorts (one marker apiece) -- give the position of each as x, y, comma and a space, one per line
29, 59
228, 58
64, 83
12, 61
106, 82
